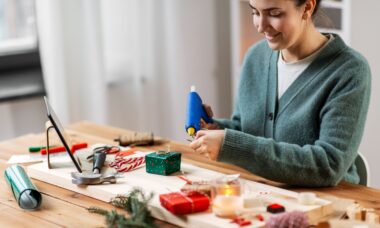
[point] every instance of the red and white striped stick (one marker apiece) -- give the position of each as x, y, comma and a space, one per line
125, 165
131, 167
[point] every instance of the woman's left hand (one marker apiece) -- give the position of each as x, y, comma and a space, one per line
208, 143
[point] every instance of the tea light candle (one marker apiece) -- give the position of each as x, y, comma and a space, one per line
227, 202
229, 190
227, 205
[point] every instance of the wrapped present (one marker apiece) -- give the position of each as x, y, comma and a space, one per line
180, 203
163, 163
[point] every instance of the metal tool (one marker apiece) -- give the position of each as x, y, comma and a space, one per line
98, 161
92, 178
98, 157
104, 149
195, 112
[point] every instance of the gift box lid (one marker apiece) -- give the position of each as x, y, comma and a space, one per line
163, 155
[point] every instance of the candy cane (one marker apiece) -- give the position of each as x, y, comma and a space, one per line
124, 165
133, 166
119, 162
130, 160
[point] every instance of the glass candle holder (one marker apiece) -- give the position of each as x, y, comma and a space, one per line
227, 198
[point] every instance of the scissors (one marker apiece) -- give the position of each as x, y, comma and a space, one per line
104, 149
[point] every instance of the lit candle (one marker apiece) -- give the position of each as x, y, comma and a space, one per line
227, 201
227, 205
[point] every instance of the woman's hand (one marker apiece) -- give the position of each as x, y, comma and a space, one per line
209, 126
208, 143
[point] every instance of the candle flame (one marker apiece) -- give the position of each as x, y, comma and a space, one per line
228, 190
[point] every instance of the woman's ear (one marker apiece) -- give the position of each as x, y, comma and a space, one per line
309, 9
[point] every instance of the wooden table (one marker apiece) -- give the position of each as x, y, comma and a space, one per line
62, 207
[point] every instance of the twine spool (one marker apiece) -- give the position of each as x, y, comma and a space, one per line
136, 139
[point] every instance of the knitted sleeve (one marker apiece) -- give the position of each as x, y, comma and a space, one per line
326, 161
233, 123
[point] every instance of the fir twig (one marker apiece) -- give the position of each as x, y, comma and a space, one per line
136, 204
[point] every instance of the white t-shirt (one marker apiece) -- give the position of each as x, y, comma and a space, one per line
289, 72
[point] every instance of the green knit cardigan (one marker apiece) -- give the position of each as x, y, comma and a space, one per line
308, 137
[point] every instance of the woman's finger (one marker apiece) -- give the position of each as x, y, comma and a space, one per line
203, 151
195, 144
208, 110
200, 134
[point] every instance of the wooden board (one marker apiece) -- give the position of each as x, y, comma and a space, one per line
164, 184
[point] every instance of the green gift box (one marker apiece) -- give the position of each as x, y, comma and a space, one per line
163, 163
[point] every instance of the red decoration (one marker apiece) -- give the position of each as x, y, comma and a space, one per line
275, 208
260, 217
241, 221
180, 203
122, 164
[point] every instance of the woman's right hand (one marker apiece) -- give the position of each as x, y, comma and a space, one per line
209, 126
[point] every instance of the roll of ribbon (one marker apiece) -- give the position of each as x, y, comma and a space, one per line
24, 191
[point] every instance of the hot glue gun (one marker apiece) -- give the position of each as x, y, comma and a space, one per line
195, 112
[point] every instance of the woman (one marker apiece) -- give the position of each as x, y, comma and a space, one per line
302, 102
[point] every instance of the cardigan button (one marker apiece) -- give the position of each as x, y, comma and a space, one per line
270, 116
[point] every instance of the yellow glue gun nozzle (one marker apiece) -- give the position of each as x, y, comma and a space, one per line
191, 131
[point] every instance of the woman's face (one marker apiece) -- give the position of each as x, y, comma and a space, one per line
281, 21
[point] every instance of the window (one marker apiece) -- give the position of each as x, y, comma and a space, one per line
20, 66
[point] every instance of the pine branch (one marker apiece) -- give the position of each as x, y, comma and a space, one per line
136, 204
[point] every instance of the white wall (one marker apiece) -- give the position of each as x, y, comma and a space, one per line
192, 48
365, 37
22, 117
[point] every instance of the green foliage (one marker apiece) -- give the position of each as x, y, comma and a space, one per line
136, 204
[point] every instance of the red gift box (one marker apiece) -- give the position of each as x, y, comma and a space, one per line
180, 203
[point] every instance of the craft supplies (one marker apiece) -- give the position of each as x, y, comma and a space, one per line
260, 217
163, 162
307, 198
136, 204
105, 150
59, 149
25, 158
195, 112
31, 158
204, 187
95, 176
354, 212
359, 213
128, 152
122, 164
136, 139
372, 218
275, 208
99, 156
228, 201
24, 191
36, 149
92, 178
241, 221
180, 203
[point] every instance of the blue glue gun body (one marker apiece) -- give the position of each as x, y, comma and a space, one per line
195, 112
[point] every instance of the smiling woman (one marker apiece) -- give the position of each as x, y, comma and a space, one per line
287, 26
302, 102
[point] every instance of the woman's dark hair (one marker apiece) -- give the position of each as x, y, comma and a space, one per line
301, 2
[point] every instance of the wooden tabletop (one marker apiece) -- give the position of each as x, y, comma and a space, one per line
62, 207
